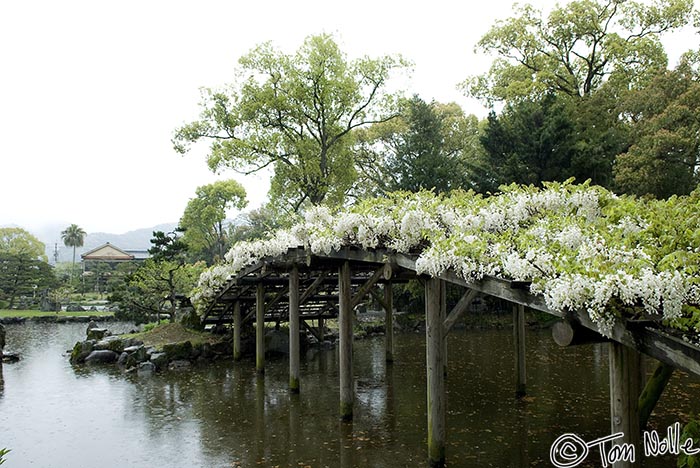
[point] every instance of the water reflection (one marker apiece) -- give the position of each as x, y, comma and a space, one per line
225, 414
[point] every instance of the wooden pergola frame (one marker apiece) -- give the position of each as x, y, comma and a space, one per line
299, 286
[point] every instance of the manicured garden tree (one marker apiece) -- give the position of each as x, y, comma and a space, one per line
73, 236
155, 286
23, 267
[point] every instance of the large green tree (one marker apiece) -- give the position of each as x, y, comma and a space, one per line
205, 215
528, 143
429, 146
23, 267
665, 123
577, 47
73, 236
295, 114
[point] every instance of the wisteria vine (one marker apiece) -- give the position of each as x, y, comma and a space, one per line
582, 247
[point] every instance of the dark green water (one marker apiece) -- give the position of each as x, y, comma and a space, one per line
223, 415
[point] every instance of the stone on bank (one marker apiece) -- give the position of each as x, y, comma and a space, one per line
131, 354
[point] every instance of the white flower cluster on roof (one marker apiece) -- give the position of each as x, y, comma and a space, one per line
582, 247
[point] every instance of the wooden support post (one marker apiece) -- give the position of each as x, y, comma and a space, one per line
294, 329
519, 339
321, 331
435, 365
237, 331
345, 320
260, 328
389, 321
624, 397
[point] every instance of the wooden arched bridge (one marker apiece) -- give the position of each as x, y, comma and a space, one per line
298, 286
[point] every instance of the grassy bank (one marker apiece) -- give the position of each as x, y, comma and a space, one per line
173, 333
37, 313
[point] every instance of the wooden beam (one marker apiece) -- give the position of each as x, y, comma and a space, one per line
345, 323
519, 341
365, 288
567, 333
294, 348
310, 329
378, 298
270, 304
652, 392
260, 329
459, 309
312, 288
624, 397
237, 331
435, 371
389, 321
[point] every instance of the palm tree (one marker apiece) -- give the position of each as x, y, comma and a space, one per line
73, 236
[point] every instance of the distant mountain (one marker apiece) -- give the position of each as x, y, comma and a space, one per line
139, 239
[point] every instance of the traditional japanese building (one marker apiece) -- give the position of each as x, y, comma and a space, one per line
111, 254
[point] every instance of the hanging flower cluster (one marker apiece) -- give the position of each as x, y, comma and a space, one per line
581, 246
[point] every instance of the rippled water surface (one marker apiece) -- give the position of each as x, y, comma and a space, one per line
223, 415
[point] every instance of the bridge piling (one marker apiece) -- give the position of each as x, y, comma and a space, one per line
435, 366
519, 341
624, 398
345, 320
389, 321
294, 329
260, 328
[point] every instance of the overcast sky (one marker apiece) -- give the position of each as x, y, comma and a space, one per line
91, 91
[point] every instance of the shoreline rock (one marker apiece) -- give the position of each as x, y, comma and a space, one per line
131, 355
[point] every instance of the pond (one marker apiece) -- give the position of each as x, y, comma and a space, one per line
224, 415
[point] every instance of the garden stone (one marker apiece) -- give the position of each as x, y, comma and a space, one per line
129, 342
96, 333
112, 343
9, 357
123, 357
277, 342
81, 350
146, 368
178, 351
103, 356
179, 365
90, 326
160, 360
